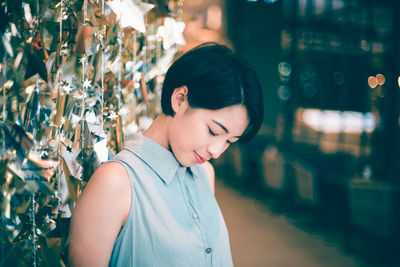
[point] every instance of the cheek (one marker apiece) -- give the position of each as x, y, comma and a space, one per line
182, 134
191, 134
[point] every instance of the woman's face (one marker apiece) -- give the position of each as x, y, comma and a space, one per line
196, 135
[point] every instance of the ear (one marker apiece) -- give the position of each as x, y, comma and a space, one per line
179, 98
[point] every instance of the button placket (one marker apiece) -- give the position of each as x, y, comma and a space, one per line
196, 220
195, 215
208, 254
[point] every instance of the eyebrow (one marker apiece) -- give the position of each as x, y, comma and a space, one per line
224, 128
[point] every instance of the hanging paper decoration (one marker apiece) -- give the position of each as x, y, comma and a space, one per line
77, 77
130, 13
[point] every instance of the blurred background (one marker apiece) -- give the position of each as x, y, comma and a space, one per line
320, 183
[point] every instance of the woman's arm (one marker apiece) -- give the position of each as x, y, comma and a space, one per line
98, 216
210, 174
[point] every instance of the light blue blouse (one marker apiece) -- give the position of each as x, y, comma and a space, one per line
174, 218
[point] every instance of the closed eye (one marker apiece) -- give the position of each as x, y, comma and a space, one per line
211, 132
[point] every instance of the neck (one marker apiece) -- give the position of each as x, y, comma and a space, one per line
158, 130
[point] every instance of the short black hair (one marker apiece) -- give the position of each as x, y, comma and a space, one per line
216, 78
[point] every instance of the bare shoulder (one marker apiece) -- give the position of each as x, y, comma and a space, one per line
111, 178
109, 185
111, 172
99, 214
208, 167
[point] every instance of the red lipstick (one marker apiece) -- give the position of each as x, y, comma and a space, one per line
199, 159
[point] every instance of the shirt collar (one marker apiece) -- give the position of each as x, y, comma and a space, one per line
157, 157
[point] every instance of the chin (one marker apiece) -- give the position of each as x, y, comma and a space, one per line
184, 162
187, 164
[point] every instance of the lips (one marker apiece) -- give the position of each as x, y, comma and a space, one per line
199, 159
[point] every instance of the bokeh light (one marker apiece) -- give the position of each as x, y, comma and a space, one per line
380, 79
372, 81
365, 45
334, 121
284, 68
284, 92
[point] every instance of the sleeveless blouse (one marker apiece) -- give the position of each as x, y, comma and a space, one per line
174, 219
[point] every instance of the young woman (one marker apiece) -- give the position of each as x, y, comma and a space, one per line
153, 203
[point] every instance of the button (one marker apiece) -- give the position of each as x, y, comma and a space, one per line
195, 215
208, 250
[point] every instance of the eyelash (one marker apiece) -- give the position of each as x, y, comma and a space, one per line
211, 132
214, 134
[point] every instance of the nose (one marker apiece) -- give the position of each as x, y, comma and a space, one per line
217, 148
